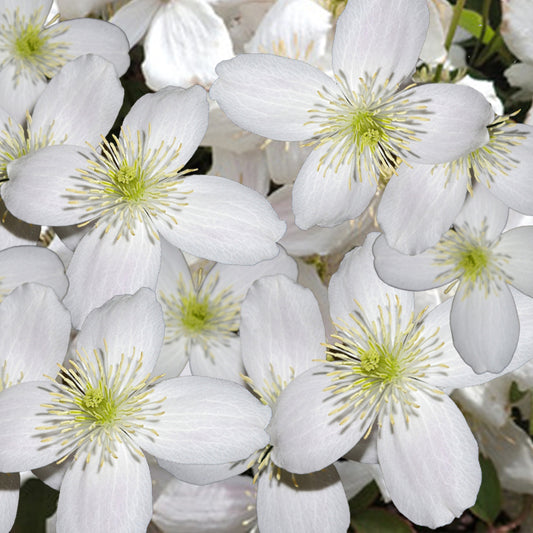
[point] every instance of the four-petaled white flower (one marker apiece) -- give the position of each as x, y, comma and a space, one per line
106, 409
363, 123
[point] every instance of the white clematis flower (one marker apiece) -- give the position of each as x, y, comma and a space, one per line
32, 52
485, 262
386, 378
202, 312
362, 123
107, 409
132, 188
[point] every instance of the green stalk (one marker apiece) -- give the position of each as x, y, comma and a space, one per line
449, 36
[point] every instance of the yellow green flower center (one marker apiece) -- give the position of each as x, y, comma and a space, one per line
29, 42
473, 262
98, 405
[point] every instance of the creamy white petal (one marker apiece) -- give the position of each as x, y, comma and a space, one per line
285, 160
173, 358
21, 448
36, 191
22, 264
357, 281
419, 205
281, 331
116, 496
316, 503
327, 195
205, 474
516, 28
81, 101
15, 232
91, 36
458, 116
206, 421
125, 325
225, 221
485, 326
173, 118
379, 38
184, 507
430, 464
134, 18
517, 246
185, 41
483, 210
103, 267
223, 361
19, 93
36, 334
305, 436
411, 272
270, 95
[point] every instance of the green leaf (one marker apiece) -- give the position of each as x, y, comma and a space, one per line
37, 502
489, 498
364, 498
515, 394
473, 22
373, 520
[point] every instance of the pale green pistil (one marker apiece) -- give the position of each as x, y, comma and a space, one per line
196, 314
98, 405
377, 362
365, 129
130, 182
29, 43
473, 262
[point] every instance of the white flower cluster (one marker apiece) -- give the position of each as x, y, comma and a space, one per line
161, 358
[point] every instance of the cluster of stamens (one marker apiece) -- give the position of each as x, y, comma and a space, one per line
201, 313
470, 256
371, 128
17, 141
30, 47
493, 158
96, 407
126, 183
6, 380
380, 363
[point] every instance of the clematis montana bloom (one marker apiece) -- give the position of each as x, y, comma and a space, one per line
363, 122
133, 190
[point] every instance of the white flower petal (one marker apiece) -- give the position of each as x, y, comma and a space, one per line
9, 499
173, 118
419, 206
458, 116
15, 232
172, 359
380, 38
517, 246
485, 326
37, 189
305, 437
483, 210
517, 16
91, 36
36, 333
116, 496
281, 330
185, 41
225, 506
225, 221
411, 272
21, 411
285, 160
24, 264
19, 93
357, 281
103, 267
270, 95
205, 474
223, 361
125, 326
82, 101
430, 464
134, 18
206, 421
316, 503
327, 195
